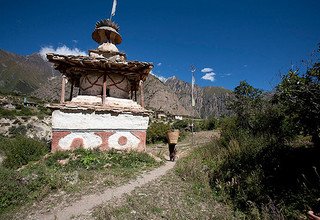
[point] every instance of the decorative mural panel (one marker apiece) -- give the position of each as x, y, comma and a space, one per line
102, 140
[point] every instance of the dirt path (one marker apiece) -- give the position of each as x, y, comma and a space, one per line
88, 202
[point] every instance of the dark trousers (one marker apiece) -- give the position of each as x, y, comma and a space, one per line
172, 152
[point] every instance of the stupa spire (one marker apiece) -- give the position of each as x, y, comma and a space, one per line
106, 31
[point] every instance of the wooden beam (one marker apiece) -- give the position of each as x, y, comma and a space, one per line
63, 90
104, 89
141, 94
71, 90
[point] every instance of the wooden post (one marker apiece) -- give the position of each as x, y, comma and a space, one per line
63, 90
71, 91
104, 89
141, 94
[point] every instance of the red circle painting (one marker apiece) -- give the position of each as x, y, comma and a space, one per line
122, 140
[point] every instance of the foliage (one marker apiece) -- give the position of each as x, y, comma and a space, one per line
21, 150
257, 113
64, 170
199, 124
246, 104
209, 124
181, 124
299, 96
255, 166
157, 132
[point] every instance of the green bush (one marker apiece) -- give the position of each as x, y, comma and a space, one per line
157, 132
21, 150
181, 124
208, 124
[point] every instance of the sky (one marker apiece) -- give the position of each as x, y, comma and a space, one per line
227, 41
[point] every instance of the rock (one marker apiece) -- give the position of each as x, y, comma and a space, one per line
158, 96
63, 161
209, 100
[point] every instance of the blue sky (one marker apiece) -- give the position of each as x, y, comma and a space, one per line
253, 40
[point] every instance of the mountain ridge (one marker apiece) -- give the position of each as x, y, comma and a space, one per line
33, 76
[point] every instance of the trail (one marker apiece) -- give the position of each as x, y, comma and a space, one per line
88, 202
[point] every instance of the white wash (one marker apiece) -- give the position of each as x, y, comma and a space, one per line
84, 121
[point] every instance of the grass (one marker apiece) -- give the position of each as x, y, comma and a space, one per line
74, 172
169, 197
257, 177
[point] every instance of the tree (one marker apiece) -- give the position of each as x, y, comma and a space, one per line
246, 104
300, 97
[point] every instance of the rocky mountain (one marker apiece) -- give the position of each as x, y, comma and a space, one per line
158, 96
209, 100
23, 74
50, 90
34, 76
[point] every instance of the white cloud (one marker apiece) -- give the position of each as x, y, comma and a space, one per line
159, 64
209, 76
207, 70
161, 78
63, 50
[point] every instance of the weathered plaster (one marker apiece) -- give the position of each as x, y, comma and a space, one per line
84, 121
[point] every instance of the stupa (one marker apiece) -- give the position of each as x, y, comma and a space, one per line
105, 114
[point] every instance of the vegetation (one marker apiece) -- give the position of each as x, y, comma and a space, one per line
40, 111
175, 199
264, 165
70, 171
157, 132
199, 124
299, 97
20, 151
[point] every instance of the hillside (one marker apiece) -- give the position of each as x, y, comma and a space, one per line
159, 96
209, 100
23, 74
33, 76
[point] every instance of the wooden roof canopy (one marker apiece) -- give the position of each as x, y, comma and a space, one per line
71, 65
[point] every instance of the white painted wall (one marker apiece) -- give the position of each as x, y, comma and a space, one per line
82, 121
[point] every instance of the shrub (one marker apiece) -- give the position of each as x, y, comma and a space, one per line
157, 132
181, 124
21, 150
